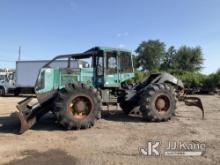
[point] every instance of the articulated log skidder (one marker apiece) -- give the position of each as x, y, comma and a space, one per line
76, 95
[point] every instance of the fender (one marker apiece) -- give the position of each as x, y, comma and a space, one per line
154, 78
168, 78
163, 78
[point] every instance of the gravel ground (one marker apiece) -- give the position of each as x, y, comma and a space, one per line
115, 139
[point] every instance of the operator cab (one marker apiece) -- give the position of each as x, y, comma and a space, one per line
100, 67
113, 67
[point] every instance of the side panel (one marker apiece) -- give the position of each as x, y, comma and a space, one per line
111, 80
67, 76
45, 88
46, 80
126, 76
84, 75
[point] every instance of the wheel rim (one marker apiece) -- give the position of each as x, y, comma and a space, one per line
162, 103
80, 106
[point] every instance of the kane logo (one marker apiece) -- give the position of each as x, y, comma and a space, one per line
151, 149
174, 148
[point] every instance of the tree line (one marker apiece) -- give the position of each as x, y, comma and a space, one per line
185, 63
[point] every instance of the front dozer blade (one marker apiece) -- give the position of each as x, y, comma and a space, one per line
194, 101
29, 112
25, 124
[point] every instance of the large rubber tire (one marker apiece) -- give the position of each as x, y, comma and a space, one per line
126, 106
158, 103
2, 91
72, 103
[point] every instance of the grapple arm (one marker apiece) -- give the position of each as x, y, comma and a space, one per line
195, 101
191, 101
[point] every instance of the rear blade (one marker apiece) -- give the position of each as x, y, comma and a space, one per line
194, 101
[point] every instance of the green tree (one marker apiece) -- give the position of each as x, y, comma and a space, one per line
192, 79
168, 59
213, 81
188, 59
150, 54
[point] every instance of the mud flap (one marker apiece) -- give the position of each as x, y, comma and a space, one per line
30, 112
194, 101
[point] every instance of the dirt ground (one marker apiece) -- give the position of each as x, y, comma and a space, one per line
115, 139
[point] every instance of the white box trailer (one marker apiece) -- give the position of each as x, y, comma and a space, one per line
27, 71
26, 74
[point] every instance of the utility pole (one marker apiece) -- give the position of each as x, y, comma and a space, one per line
19, 53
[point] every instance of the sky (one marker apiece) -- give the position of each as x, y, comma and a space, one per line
46, 28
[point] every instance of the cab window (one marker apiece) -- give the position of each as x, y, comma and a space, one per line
125, 62
99, 62
111, 63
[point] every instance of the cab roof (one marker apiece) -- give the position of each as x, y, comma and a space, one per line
107, 49
88, 53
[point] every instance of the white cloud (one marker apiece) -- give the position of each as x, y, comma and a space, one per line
123, 34
121, 45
